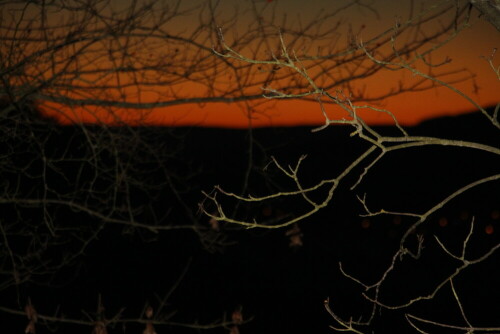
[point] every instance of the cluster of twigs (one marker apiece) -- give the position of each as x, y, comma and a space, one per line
412, 56
99, 323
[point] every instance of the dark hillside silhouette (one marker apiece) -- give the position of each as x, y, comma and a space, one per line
283, 287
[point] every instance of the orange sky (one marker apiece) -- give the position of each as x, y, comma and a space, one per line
466, 52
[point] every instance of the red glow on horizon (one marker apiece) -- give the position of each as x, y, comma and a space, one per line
467, 52
409, 109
